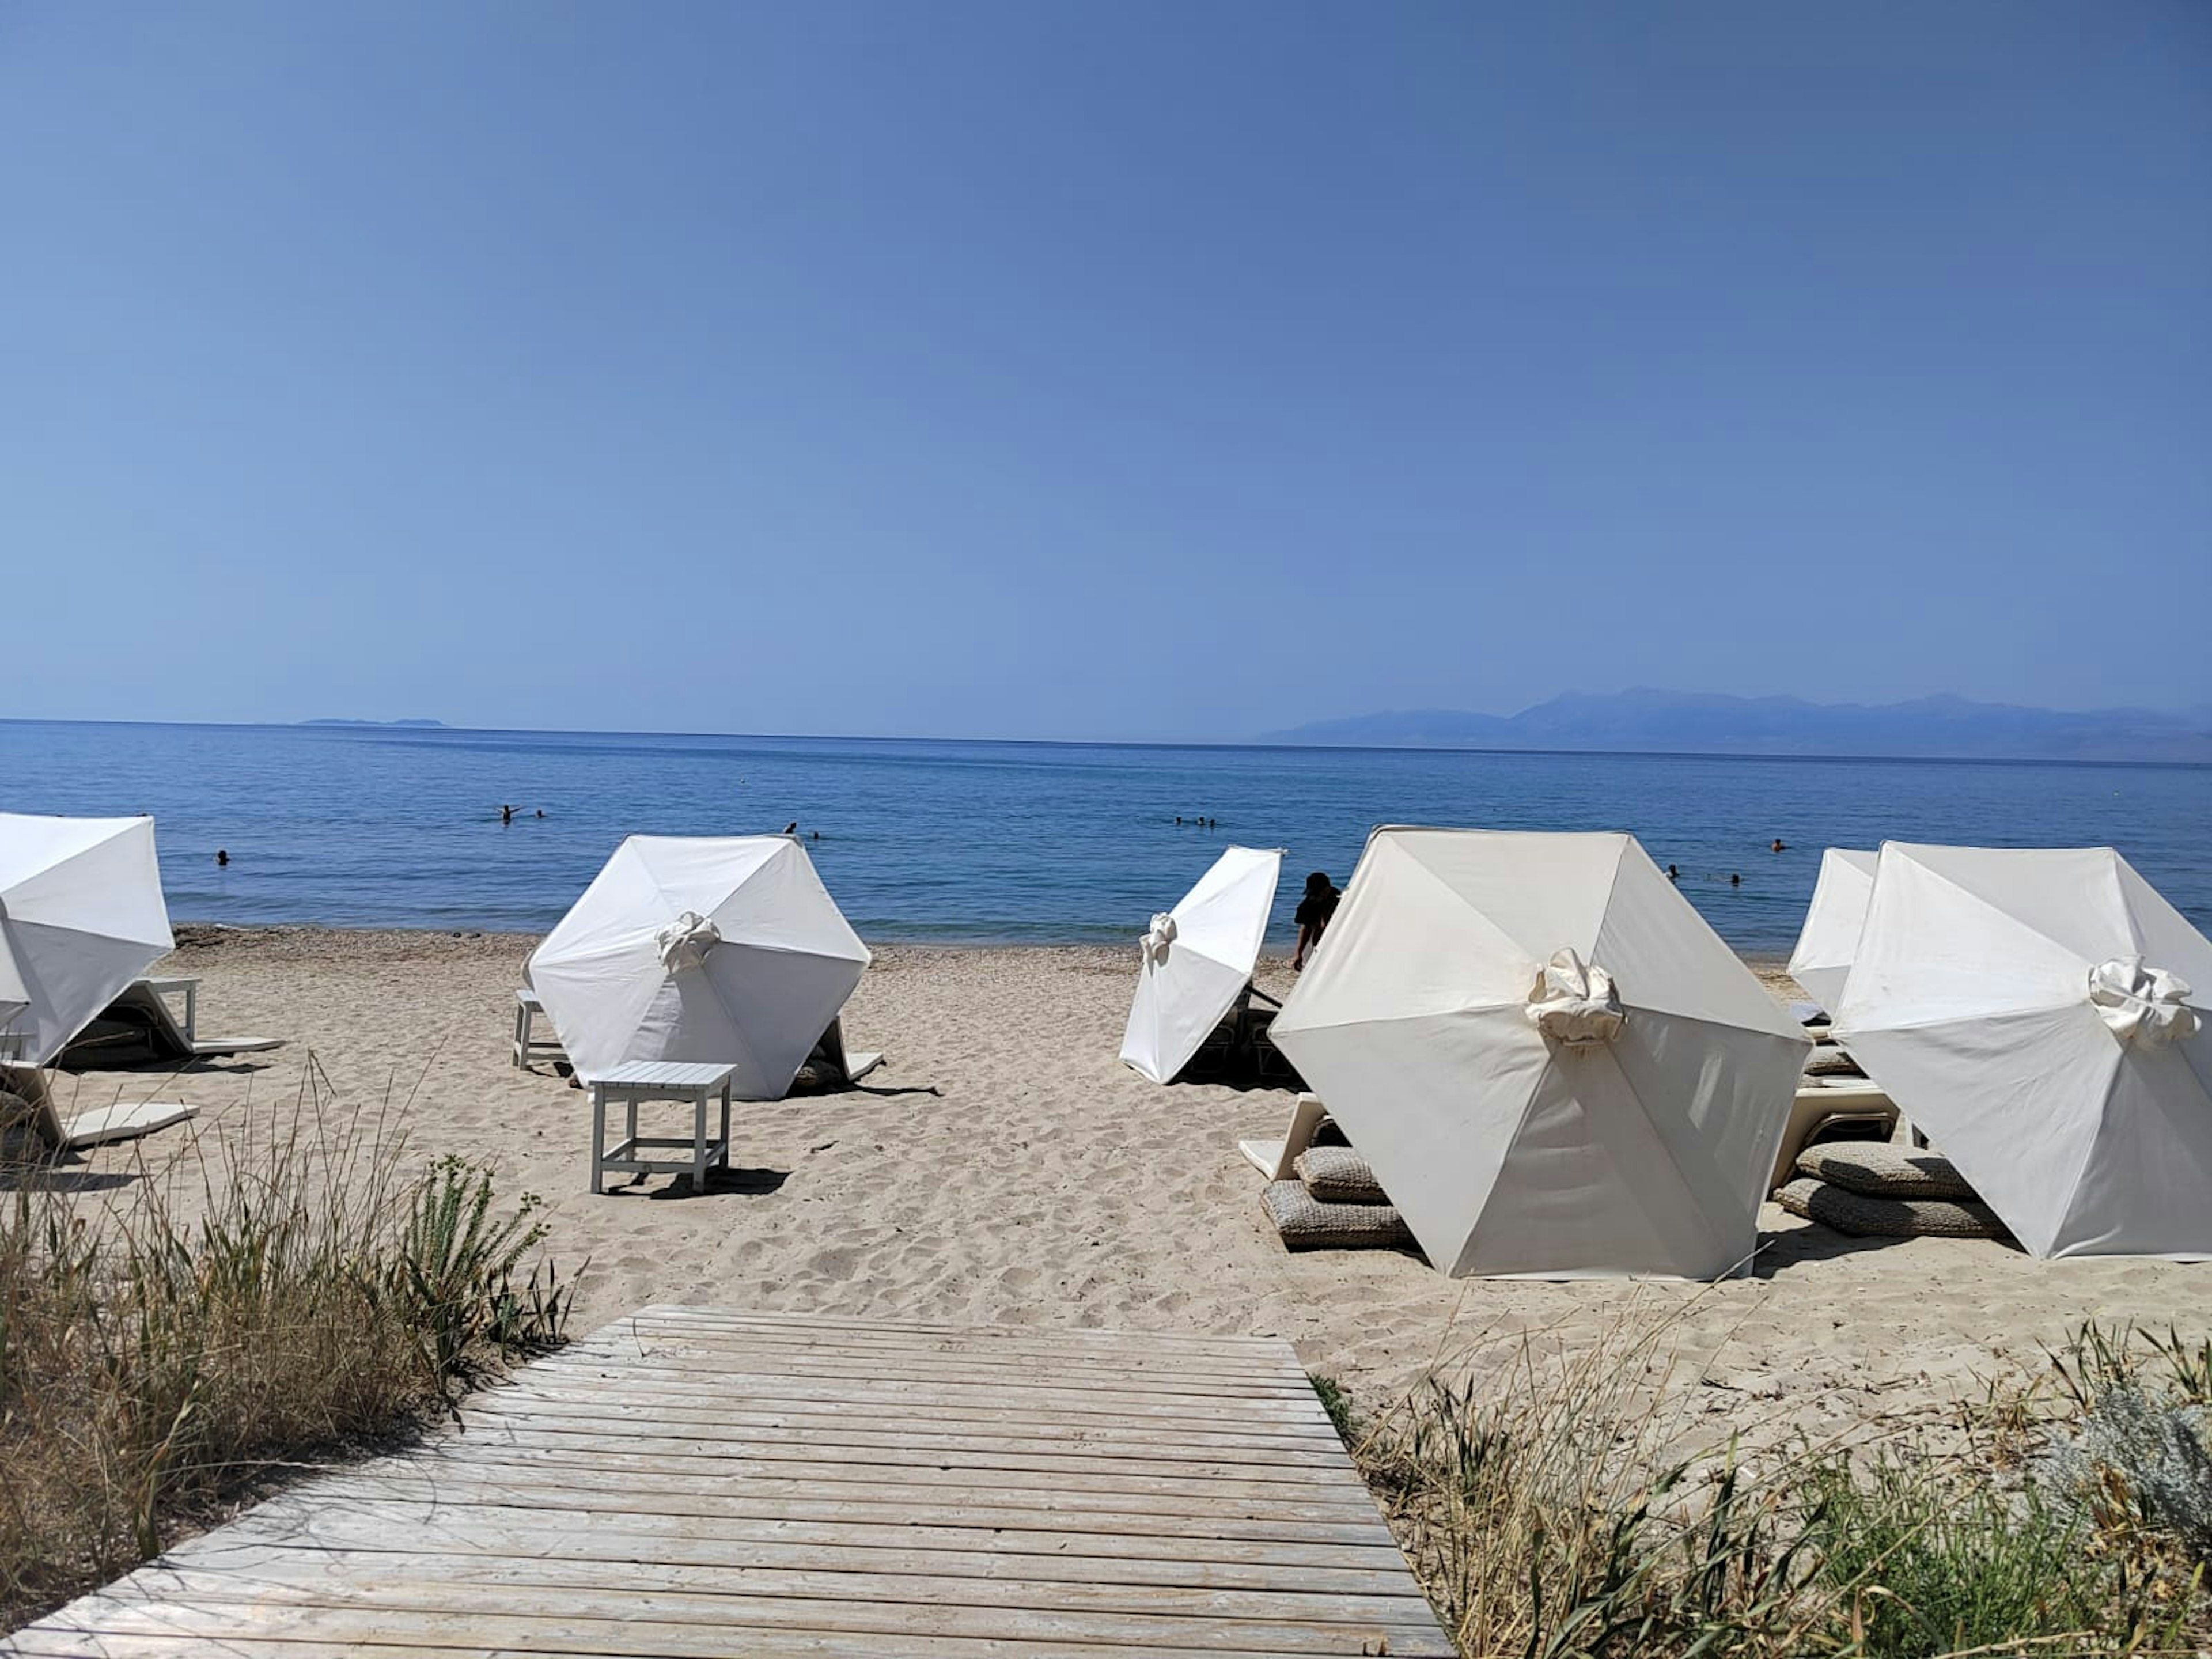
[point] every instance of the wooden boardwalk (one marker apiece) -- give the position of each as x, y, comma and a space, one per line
690, 1481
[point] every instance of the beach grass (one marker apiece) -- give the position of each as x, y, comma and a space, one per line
1549, 1515
279, 1298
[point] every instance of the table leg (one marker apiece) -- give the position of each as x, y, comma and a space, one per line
598, 1134
726, 1125
699, 1142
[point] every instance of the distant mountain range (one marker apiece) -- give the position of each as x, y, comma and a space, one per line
345, 722
1684, 722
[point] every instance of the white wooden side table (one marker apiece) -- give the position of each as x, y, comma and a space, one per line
637, 1080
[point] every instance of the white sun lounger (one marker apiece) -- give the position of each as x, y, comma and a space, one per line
141, 1019
855, 1065
100, 1127
1275, 1159
1824, 1103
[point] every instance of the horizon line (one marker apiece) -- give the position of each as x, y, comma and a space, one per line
390, 727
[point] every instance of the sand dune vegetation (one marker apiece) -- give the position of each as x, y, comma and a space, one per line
277, 1297
1545, 1499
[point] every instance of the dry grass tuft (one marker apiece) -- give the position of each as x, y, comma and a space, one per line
279, 1294
1543, 1497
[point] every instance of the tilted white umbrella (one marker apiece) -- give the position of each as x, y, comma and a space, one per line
81, 916
1554, 1066
2041, 1014
721, 949
1197, 960
1830, 934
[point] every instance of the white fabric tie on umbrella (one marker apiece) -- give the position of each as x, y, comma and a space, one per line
1554, 1066
1158, 938
2000, 997
1197, 959
1574, 1002
683, 944
2137, 1001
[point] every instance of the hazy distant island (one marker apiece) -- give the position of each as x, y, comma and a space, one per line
1685, 722
347, 722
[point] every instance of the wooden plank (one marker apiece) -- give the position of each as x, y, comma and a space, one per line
541, 1492
665, 1585
715, 1457
1274, 1359
393, 1611
829, 1426
972, 1406
1119, 1453
294, 1638
525, 1470
742, 1363
1065, 1340
1070, 1399
783, 1357
690, 1481
1006, 1552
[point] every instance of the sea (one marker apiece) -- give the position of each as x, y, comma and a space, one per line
372, 826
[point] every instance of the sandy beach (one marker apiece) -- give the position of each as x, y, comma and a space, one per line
1004, 1168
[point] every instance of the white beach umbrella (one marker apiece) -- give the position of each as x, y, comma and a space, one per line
81, 916
1197, 959
2041, 1014
721, 949
1554, 1066
1830, 934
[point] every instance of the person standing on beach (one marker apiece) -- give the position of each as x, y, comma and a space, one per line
1313, 914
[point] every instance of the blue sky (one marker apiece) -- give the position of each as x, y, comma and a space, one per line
1116, 370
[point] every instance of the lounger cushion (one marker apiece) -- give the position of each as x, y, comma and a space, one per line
1337, 1175
1306, 1224
1833, 1062
1880, 1170
1865, 1216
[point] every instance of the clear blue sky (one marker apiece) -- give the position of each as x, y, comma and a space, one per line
1105, 370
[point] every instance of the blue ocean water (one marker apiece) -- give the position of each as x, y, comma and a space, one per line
1003, 842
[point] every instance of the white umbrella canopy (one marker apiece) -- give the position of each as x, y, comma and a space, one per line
1197, 959
81, 916
1554, 1066
721, 949
1830, 934
2032, 1011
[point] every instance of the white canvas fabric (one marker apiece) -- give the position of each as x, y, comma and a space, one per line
2032, 1010
721, 949
81, 916
1197, 958
1642, 1149
1830, 934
